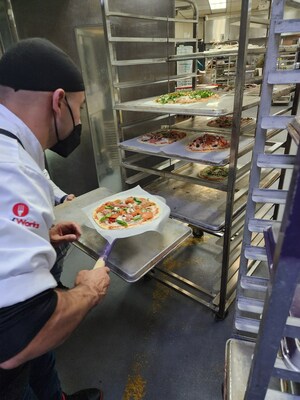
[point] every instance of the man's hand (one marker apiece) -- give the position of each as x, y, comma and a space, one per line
97, 280
64, 232
69, 197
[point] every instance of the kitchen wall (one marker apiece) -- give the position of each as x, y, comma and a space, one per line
56, 20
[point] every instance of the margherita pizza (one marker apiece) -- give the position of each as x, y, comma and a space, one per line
186, 97
208, 142
126, 213
225, 121
214, 173
161, 138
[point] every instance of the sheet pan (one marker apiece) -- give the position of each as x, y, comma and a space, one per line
200, 206
178, 150
214, 107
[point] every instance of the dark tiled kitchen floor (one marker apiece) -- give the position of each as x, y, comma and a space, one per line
144, 342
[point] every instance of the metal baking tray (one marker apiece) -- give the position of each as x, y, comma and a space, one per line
214, 107
201, 206
132, 257
233, 50
200, 124
238, 360
177, 150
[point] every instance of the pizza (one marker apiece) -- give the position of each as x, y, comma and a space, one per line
214, 173
208, 142
186, 97
225, 121
162, 137
126, 213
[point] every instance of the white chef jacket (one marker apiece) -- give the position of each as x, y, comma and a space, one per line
26, 215
58, 193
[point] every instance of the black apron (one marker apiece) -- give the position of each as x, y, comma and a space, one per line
11, 135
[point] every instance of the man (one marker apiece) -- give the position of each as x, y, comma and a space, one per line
41, 92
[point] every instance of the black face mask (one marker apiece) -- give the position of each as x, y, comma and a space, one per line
66, 146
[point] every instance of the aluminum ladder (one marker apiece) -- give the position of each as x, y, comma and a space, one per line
262, 304
261, 159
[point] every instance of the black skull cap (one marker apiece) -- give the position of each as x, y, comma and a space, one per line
36, 64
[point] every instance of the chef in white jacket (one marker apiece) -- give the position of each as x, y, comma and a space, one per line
41, 92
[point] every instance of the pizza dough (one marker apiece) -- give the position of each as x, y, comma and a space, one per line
225, 121
214, 173
162, 137
126, 213
186, 97
208, 142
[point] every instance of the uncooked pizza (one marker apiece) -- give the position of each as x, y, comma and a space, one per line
162, 137
225, 121
126, 213
208, 142
186, 97
214, 173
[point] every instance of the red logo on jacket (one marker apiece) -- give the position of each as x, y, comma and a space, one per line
20, 209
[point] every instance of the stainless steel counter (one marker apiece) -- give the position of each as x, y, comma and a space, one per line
132, 257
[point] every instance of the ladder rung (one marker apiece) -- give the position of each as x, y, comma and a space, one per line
282, 371
276, 161
247, 324
249, 304
269, 196
277, 395
284, 77
276, 121
254, 283
256, 253
287, 25
259, 225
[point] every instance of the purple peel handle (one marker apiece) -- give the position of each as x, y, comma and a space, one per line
107, 250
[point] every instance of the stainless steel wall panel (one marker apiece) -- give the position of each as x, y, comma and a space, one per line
55, 20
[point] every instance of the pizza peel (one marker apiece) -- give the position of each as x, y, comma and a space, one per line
111, 235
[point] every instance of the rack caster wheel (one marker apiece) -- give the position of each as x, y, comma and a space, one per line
197, 232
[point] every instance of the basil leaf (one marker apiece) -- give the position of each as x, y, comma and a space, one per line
123, 223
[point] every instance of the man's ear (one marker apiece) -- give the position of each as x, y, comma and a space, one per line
57, 98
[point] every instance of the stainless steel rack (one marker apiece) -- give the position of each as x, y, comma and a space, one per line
136, 82
263, 312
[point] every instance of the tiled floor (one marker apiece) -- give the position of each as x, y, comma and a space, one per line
144, 342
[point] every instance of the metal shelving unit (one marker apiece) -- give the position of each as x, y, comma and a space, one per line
157, 170
267, 304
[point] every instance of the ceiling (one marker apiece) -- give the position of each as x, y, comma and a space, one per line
232, 6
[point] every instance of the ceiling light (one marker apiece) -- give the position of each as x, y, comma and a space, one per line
217, 4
